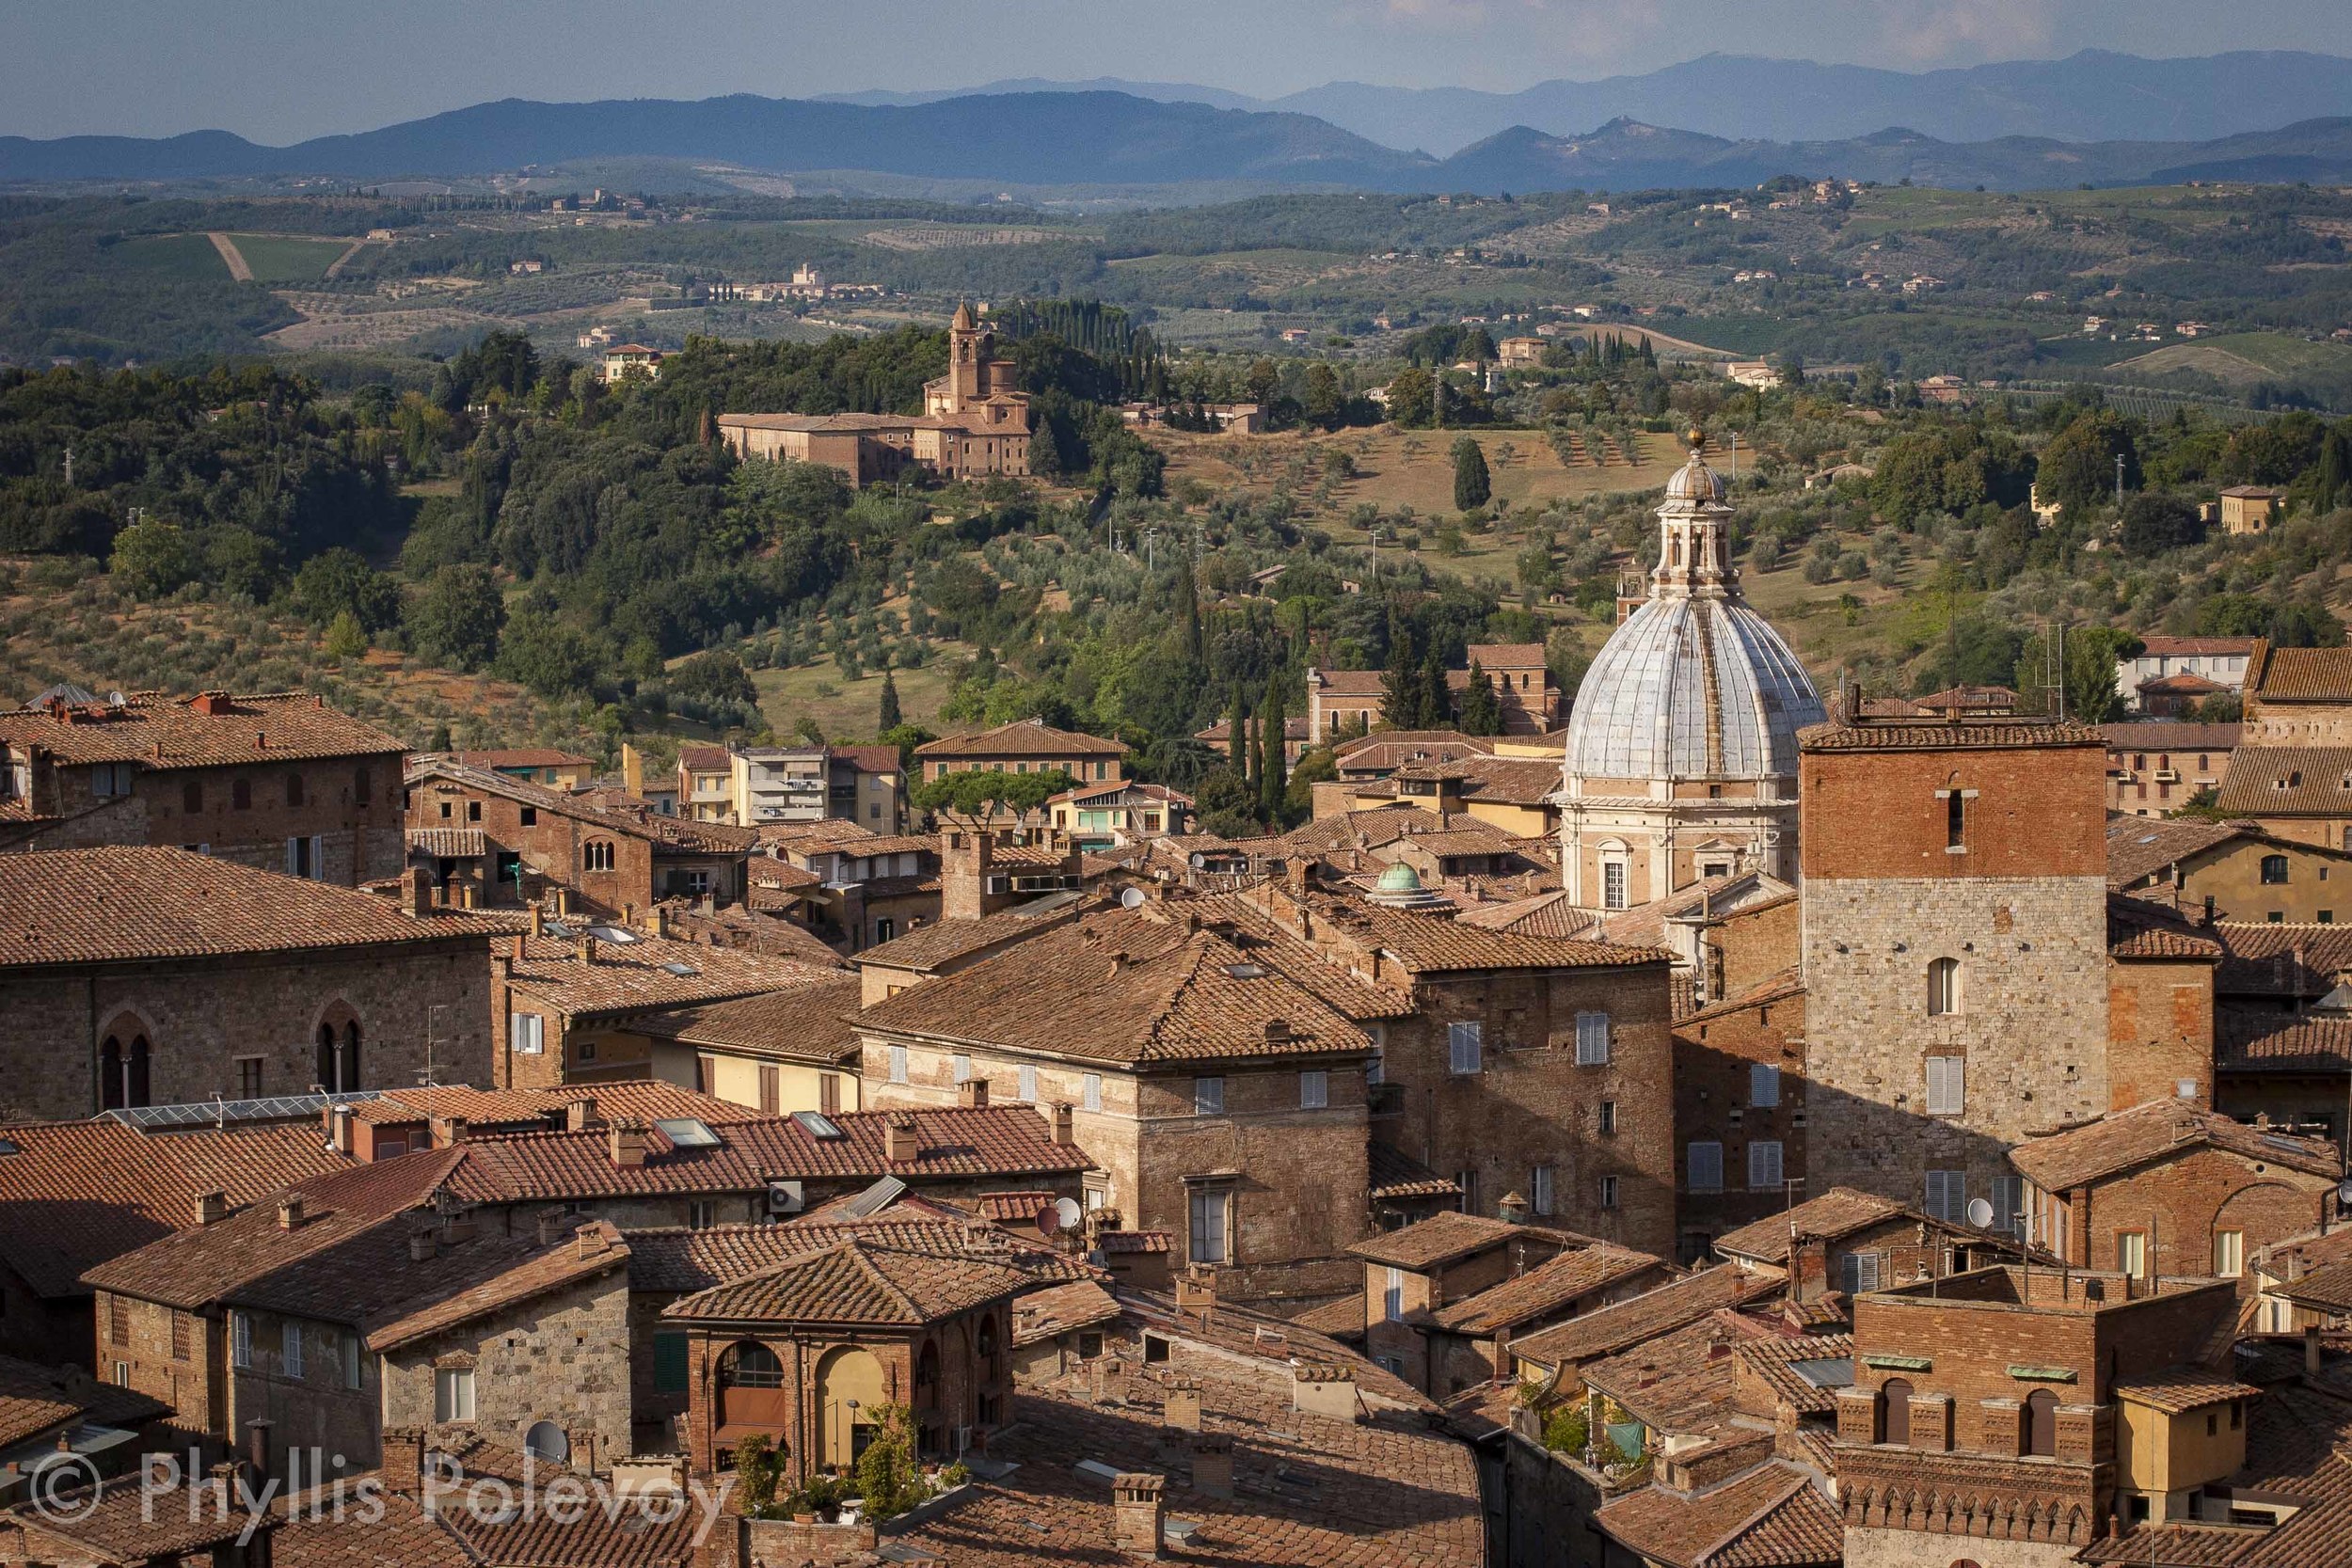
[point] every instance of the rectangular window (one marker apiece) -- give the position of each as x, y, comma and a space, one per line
1947, 1194
1703, 1162
1026, 1091
2131, 1253
770, 1089
2009, 1202
1955, 818
1607, 1192
705, 1070
1208, 1097
1539, 1189
669, 1364
1763, 1084
1608, 1119
963, 1066
702, 1214
1465, 1046
1613, 885
1091, 1093
1466, 1181
897, 1063
119, 1320
1377, 1065
350, 1360
1314, 1089
240, 1340
292, 1353
1393, 1297
526, 1034
2229, 1254
1211, 1209
1947, 1086
249, 1077
1592, 1040
453, 1394
829, 1094
1862, 1272
1764, 1166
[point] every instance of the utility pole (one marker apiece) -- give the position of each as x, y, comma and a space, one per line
2119, 480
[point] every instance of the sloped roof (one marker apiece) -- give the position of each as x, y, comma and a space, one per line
1646, 1316
1432, 943
603, 810
2141, 928
1549, 1286
128, 904
1960, 734
677, 1261
857, 1281
1124, 986
35, 1398
2250, 1041
2286, 781
2139, 846
2300, 674
1774, 1361
2283, 960
1022, 737
1448, 1235
2125, 1140
943, 942
1769, 1517
813, 1022
1544, 915
2176, 1389
154, 730
649, 973
1836, 1213
76, 1194
1397, 1175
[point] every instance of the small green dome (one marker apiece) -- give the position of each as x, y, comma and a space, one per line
1400, 877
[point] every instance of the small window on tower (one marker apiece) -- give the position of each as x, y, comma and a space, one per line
1955, 819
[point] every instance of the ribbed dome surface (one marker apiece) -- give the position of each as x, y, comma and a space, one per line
1692, 689
1694, 481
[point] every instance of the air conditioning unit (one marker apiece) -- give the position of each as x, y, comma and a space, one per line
786, 1197
2168, 775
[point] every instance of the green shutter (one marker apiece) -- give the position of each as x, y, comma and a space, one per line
669, 1363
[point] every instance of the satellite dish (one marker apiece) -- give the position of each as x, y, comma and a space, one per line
1048, 1220
1066, 1212
1979, 1213
2344, 1191
1129, 898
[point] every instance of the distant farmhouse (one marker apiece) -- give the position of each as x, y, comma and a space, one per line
974, 423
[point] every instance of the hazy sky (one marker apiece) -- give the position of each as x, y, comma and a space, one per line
278, 71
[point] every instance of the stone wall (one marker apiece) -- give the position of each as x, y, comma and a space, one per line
1714, 1054
199, 1019
2180, 1204
351, 804
183, 1368
2031, 1024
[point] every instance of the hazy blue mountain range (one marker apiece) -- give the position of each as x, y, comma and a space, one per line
1110, 138
2092, 96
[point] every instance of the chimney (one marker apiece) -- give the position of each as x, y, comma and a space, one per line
1182, 1412
899, 1143
339, 1119
629, 1145
2310, 1350
1139, 1519
1324, 1389
1062, 1121
589, 1241
516, 952
550, 1226
421, 1247
450, 1131
1277, 1030
257, 1433
1196, 1290
972, 1094
539, 919
402, 1461
585, 946
1808, 1268
1108, 1375
290, 1211
211, 1208
212, 705
1512, 1210
581, 1115
416, 892
1212, 1464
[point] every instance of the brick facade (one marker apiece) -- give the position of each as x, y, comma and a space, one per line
177, 1357
1716, 1052
2159, 1031
2006, 886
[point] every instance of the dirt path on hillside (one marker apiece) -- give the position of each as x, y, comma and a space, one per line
336, 265
233, 256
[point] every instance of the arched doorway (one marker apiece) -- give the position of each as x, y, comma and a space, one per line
2042, 1424
751, 1395
849, 1389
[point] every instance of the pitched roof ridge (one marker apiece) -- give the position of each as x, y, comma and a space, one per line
1778, 1499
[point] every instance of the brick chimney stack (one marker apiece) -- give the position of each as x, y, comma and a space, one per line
629, 1145
416, 892
1139, 1523
403, 1458
290, 1211
581, 1115
1063, 1122
972, 1094
211, 1208
1211, 1464
898, 1141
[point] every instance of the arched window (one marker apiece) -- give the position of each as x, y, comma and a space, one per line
110, 1075
136, 1084
597, 855
349, 1077
323, 1073
1942, 986
545, 1440
750, 1366
2042, 1424
926, 1376
338, 1060
1895, 1412
124, 1079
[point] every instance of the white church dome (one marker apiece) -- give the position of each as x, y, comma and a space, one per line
1692, 689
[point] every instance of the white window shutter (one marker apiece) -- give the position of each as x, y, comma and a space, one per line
291, 854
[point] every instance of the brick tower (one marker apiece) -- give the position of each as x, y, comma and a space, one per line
1954, 945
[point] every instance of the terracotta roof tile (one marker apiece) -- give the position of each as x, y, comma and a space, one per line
676, 1261
1546, 914
524, 756
126, 904
2282, 961
1549, 1286
156, 730
1838, 1212
2163, 735
35, 1400
2139, 846
2140, 929
813, 1022
1770, 1517
644, 973
2250, 1041
856, 1281
1447, 1235
1775, 1361
1022, 737
1680, 1382
1124, 986
1397, 1175
122, 1521
400, 1300
2177, 1389
2286, 781
76, 1194
1432, 944
945, 942
2300, 674
2145, 1134
606, 811
1959, 734
1061, 1309
1670, 1306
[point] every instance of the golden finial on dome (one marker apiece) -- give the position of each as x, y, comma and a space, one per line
1695, 440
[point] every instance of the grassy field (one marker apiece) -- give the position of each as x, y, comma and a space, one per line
185, 256
277, 258
847, 709
1397, 468
2245, 358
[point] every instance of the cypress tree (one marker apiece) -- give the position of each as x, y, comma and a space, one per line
1437, 703
1188, 615
1482, 710
1274, 772
1236, 736
890, 716
1400, 687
